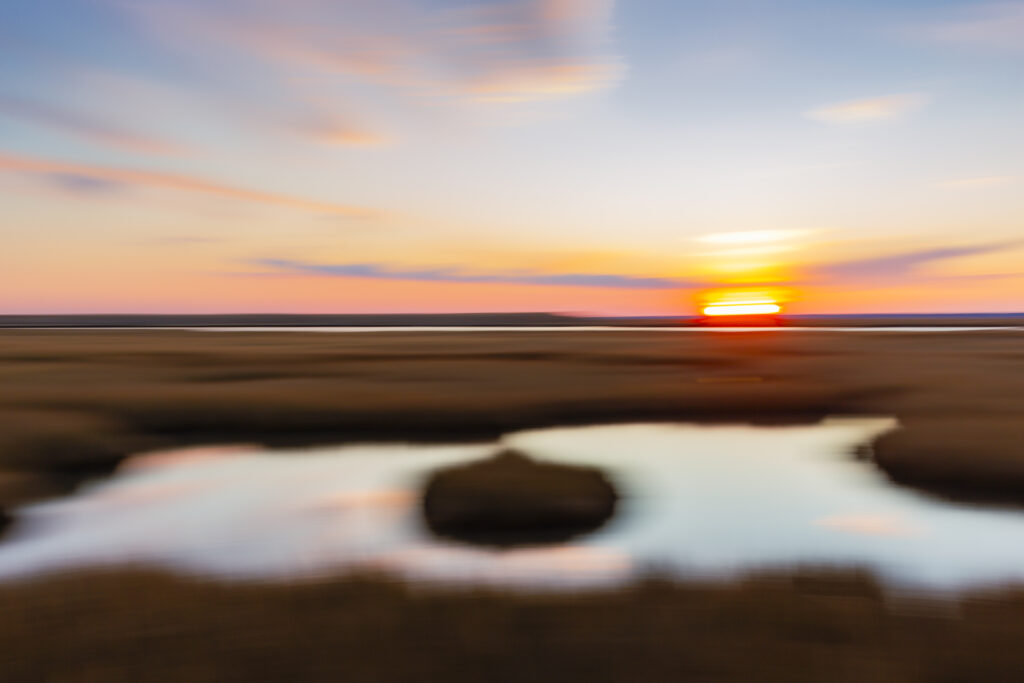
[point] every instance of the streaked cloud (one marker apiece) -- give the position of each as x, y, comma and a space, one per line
517, 50
83, 125
327, 124
997, 25
173, 181
344, 133
868, 110
904, 263
526, 82
456, 274
83, 184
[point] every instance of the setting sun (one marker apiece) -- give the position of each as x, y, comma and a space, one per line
742, 309
741, 302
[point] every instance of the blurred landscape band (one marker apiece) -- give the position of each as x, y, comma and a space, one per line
76, 402
490, 320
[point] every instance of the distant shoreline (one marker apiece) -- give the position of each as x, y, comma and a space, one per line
470, 320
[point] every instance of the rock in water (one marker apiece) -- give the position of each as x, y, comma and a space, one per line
512, 500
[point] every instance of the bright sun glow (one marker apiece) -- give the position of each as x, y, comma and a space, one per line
742, 302
742, 309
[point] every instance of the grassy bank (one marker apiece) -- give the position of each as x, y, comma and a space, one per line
808, 626
509, 500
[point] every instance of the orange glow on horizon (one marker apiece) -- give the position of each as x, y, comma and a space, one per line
742, 302
742, 309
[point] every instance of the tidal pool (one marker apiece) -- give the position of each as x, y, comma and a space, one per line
697, 500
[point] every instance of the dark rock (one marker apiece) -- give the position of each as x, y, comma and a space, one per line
512, 500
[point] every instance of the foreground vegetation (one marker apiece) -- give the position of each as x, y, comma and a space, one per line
509, 500
806, 626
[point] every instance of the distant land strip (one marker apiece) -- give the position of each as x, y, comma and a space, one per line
487, 320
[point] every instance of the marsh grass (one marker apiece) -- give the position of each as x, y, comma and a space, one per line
800, 626
974, 458
73, 402
509, 499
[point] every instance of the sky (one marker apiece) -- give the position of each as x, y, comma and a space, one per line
585, 156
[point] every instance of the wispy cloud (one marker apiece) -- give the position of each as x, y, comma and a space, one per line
173, 181
905, 263
84, 126
83, 184
997, 25
512, 50
868, 110
454, 274
332, 128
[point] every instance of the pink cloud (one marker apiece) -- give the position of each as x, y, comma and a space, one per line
85, 126
514, 50
175, 181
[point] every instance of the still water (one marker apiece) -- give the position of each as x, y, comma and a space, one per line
696, 500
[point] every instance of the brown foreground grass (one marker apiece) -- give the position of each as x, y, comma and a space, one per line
74, 402
803, 626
